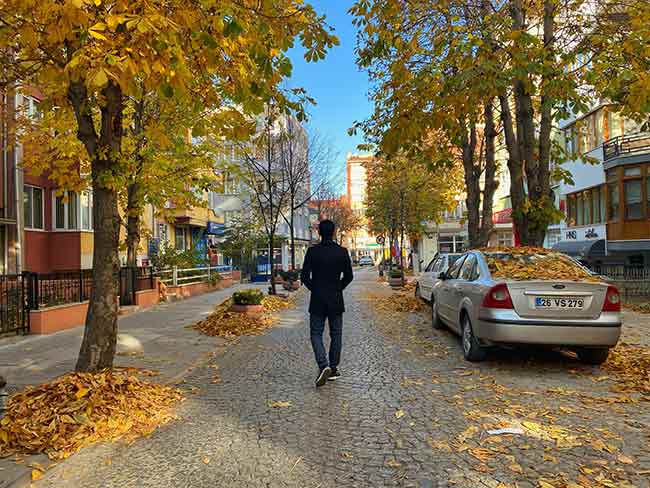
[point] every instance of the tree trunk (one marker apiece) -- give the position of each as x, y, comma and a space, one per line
490, 184
293, 240
100, 333
472, 174
273, 290
134, 211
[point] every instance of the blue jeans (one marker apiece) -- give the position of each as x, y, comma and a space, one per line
317, 326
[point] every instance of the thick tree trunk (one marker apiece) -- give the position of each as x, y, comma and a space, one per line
490, 184
472, 174
100, 333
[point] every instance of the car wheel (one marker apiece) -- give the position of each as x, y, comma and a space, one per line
593, 355
435, 318
417, 292
472, 349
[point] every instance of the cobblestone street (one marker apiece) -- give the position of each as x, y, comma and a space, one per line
408, 411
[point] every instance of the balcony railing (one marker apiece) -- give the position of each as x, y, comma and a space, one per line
626, 145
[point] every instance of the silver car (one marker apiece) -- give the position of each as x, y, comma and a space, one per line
429, 277
582, 315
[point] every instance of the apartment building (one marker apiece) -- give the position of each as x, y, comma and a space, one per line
360, 242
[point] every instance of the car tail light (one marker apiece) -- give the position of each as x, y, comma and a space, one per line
498, 297
612, 300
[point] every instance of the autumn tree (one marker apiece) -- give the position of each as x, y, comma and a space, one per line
400, 197
458, 68
92, 55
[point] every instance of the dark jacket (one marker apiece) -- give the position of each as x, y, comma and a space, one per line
326, 272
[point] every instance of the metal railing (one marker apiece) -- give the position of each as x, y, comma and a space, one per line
632, 282
58, 288
626, 145
189, 276
14, 315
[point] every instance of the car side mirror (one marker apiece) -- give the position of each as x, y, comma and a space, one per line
443, 275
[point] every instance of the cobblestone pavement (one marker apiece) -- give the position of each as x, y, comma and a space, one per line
407, 412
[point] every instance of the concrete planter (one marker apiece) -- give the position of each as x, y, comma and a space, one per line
247, 309
396, 282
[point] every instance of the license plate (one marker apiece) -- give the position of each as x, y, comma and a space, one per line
559, 303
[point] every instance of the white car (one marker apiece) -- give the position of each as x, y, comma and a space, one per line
366, 261
428, 279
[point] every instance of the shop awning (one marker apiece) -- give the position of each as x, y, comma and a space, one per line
582, 249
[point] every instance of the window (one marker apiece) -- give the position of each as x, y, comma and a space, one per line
86, 211
647, 192
179, 242
634, 171
613, 201
430, 266
572, 209
586, 217
469, 267
504, 239
633, 199
73, 211
581, 208
446, 244
599, 127
615, 124
455, 268
33, 207
595, 205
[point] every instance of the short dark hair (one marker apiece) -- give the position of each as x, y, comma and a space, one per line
326, 229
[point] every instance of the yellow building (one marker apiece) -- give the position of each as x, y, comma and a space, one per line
360, 241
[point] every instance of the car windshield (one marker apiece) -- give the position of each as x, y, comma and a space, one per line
526, 263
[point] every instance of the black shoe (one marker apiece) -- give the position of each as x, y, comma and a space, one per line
334, 375
322, 377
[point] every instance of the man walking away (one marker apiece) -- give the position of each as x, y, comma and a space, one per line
326, 272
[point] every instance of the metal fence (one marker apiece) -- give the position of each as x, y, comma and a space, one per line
14, 314
189, 276
632, 282
58, 288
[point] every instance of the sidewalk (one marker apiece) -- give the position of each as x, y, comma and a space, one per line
169, 348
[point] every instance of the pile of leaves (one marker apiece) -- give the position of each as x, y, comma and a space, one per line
533, 263
225, 323
78, 409
631, 364
397, 302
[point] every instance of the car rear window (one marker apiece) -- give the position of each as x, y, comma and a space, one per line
534, 264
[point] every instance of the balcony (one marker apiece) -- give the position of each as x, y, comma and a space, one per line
623, 146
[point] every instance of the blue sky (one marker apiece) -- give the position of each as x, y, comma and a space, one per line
336, 83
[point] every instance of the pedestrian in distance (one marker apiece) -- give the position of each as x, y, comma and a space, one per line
326, 272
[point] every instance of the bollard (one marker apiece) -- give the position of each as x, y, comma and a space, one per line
3, 396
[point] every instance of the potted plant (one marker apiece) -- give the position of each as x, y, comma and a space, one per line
247, 301
396, 278
291, 279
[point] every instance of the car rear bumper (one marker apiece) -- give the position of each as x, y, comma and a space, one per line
505, 326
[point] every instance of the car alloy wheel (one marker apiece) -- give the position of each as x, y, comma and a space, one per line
417, 292
435, 319
472, 349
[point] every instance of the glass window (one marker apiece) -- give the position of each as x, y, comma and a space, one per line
633, 199
59, 213
615, 124
446, 244
27, 206
180, 238
581, 209
634, 171
86, 211
595, 205
647, 194
603, 209
613, 201
612, 174
430, 265
73, 206
599, 128
504, 239
455, 268
586, 197
467, 271
572, 209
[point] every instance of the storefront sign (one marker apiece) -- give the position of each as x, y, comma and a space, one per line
586, 233
215, 229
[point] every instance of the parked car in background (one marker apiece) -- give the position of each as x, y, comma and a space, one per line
429, 277
366, 261
527, 296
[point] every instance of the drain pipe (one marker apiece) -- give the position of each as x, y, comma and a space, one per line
18, 193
